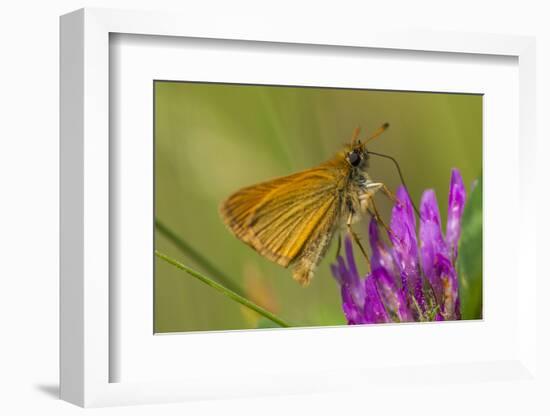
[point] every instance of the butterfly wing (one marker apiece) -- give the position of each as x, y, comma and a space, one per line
282, 217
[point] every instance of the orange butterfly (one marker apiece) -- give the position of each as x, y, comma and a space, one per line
291, 220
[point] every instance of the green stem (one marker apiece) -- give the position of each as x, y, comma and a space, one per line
222, 289
196, 256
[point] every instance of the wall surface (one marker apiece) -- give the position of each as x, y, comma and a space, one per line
29, 182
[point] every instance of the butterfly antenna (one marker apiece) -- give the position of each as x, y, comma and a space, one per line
400, 175
377, 132
355, 136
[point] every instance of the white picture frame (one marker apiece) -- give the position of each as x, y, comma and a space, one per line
87, 328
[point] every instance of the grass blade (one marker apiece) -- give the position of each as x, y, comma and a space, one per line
202, 261
224, 290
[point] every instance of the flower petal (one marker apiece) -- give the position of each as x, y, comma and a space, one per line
381, 256
392, 298
405, 250
450, 306
374, 307
457, 199
431, 240
339, 271
354, 314
353, 279
352, 289
403, 223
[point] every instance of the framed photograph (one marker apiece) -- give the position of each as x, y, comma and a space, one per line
291, 221
242, 214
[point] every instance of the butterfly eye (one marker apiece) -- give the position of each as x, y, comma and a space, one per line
354, 158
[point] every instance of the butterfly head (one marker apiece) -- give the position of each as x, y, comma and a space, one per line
357, 156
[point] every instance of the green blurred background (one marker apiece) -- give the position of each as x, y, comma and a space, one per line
212, 139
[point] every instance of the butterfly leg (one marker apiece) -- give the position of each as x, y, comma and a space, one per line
339, 246
386, 191
368, 203
376, 215
393, 198
356, 238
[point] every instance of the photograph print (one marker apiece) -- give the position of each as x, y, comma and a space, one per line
289, 206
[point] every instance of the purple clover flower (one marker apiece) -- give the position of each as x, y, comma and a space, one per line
414, 279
